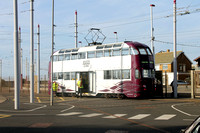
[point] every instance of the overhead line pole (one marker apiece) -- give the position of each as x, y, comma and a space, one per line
31, 54
38, 62
16, 57
76, 30
152, 30
52, 49
175, 54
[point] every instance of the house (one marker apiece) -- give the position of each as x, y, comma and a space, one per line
164, 63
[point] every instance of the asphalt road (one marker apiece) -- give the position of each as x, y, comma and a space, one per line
101, 115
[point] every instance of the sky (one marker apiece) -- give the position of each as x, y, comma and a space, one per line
129, 18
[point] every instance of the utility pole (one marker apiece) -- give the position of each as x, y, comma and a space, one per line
152, 30
0, 74
20, 49
38, 62
31, 54
76, 30
16, 56
175, 54
52, 49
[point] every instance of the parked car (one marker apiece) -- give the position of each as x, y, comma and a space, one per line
193, 128
182, 82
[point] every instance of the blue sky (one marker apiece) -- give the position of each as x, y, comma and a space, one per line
129, 18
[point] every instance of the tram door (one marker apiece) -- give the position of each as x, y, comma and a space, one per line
88, 79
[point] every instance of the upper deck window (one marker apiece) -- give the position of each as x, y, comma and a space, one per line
74, 56
108, 46
91, 54
116, 45
134, 51
60, 57
67, 51
116, 52
55, 58
74, 50
99, 53
142, 51
125, 51
99, 47
67, 57
108, 53
81, 55
149, 51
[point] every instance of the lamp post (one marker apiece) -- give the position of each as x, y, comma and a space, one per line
116, 38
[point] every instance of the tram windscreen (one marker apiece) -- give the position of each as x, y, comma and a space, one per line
148, 73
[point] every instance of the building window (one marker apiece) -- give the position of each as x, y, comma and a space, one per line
182, 68
165, 67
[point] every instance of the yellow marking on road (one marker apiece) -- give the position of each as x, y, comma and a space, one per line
4, 116
62, 99
39, 101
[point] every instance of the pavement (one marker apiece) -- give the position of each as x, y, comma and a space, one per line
2, 99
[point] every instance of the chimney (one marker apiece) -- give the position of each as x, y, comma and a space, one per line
168, 50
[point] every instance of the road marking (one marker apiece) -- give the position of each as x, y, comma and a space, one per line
39, 101
165, 117
4, 116
62, 99
173, 106
68, 108
71, 113
91, 115
139, 116
114, 116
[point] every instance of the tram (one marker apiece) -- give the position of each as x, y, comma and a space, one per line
118, 69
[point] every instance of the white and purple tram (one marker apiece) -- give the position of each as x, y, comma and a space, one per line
119, 69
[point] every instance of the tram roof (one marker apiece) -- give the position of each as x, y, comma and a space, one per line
96, 47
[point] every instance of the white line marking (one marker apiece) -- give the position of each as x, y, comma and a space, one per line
67, 109
139, 116
69, 114
114, 116
90, 115
173, 106
165, 117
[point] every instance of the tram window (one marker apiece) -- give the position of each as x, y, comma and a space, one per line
108, 53
116, 74
142, 51
67, 57
81, 55
116, 52
116, 45
125, 51
99, 54
66, 76
60, 75
108, 46
73, 76
146, 73
126, 74
60, 57
91, 54
55, 76
74, 56
99, 47
137, 74
107, 74
148, 51
134, 51
55, 58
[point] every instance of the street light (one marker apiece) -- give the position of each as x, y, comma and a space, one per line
116, 38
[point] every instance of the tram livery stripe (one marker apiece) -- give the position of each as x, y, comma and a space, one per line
165, 117
91, 115
114, 116
139, 116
